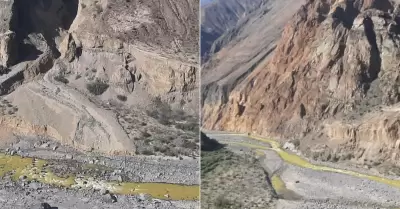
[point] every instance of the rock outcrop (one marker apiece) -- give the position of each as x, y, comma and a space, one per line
333, 81
247, 49
87, 61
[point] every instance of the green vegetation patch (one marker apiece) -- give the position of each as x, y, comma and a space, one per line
97, 87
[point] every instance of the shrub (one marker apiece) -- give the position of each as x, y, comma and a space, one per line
191, 126
61, 78
170, 152
189, 144
296, 142
122, 98
146, 134
97, 87
98, 8
147, 152
222, 202
4, 70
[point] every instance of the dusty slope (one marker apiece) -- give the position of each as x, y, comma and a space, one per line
122, 75
219, 17
83, 81
333, 81
252, 45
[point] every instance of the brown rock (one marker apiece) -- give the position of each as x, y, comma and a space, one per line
335, 67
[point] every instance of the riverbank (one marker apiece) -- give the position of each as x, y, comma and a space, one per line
311, 184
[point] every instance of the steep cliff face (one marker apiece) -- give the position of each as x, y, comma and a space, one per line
333, 81
247, 49
103, 66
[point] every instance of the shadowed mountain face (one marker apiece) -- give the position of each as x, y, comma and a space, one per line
333, 83
220, 16
241, 50
205, 2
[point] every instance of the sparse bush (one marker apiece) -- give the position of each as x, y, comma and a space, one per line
97, 87
222, 202
61, 78
296, 142
4, 70
170, 152
147, 141
191, 126
146, 134
99, 8
189, 144
165, 140
122, 98
147, 152
161, 116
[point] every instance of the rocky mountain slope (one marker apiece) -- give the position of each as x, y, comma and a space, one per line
101, 66
219, 17
253, 42
332, 83
84, 80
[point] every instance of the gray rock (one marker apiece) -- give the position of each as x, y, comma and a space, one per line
69, 156
45, 145
34, 185
113, 198
144, 197
289, 146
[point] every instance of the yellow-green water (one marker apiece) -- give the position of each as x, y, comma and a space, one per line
278, 184
174, 191
34, 169
301, 162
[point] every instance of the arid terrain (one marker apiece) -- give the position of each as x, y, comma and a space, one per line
320, 78
330, 85
104, 94
253, 172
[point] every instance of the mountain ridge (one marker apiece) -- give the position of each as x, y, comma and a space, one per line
331, 83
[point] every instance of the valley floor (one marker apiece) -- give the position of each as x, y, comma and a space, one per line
37, 170
299, 184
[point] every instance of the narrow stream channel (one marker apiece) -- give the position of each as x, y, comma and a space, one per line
35, 169
301, 162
